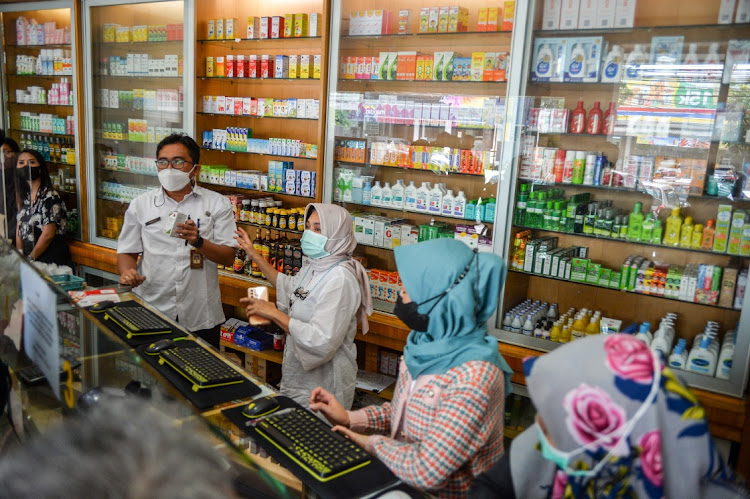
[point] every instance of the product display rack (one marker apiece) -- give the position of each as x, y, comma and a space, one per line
390, 125
675, 166
41, 92
137, 59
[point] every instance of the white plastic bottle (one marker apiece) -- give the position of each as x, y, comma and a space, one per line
678, 359
528, 326
459, 205
577, 63
692, 55
423, 196
635, 59
702, 359
386, 195
410, 196
376, 195
447, 208
397, 195
713, 54
644, 334
507, 321
724, 368
612, 67
515, 326
545, 62
435, 203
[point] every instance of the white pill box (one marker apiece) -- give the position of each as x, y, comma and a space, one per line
174, 218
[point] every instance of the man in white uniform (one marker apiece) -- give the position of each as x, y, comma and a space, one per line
178, 275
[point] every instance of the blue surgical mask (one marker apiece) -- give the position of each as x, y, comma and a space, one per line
314, 244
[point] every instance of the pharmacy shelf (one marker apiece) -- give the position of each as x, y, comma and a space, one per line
236, 78
275, 356
223, 115
22, 75
426, 82
629, 242
112, 200
452, 125
608, 31
20, 130
131, 44
635, 190
622, 136
400, 210
139, 77
425, 170
257, 153
14, 46
123, 170
242, 189
266, 227
257, 40
38, 104
615, 290
128, 141
414, 36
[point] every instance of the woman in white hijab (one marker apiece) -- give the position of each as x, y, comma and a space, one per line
319, 307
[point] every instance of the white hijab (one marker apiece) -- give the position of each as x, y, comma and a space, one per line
336, 225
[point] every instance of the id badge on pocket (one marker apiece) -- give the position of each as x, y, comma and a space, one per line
196, 259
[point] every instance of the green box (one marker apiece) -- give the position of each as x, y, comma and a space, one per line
735, 232
604, 277
579, 269
614, 280
593, 273
723, 222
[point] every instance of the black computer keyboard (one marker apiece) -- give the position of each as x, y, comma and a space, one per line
312, 444
137, 320
33, 374
200, 367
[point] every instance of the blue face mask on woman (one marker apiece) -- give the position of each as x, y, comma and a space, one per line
314, 244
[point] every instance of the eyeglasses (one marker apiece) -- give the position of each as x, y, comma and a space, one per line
301, 293
177, 163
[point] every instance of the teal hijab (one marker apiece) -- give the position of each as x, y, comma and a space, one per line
457, 331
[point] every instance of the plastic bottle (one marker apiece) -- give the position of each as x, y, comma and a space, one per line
695, 240
674, 224
612, 67
489, 210
707, 239
459, 205
578, 119
570, 157
545, 62
691, 57
410, 196
635, 222
435, 200
686, 232
516, 325
678, 359
577, 62
423, 197
447, 206
528, 327
554, 333
713, 56
377, 194
589, 169
595, 119
644, 334
702, 359
386, 195
724, 368
593, 326
579, 167
507, 321
658, 230
579, 327
610, 117
397, 195
367, 193
634, 61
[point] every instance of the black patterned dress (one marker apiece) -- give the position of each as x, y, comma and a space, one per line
32, 218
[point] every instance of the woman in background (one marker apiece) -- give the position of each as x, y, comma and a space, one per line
612, 421
319, 307
445, 423
42, 218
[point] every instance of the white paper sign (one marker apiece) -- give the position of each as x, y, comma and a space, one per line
41, 338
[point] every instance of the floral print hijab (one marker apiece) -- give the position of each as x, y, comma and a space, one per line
587, 393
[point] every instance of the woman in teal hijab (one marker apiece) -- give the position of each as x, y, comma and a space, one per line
444, 425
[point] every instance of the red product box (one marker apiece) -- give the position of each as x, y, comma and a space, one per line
265, 27
252, 67
230, 66
277, 27
265, 68
238, 107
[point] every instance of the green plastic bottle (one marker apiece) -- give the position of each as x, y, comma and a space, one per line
656, 236
635, 222
521, 204
647, 229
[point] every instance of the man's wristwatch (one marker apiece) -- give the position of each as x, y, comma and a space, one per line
198, 242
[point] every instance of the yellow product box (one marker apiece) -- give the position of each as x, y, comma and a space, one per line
443, 20
289, 20
220, 67
210, 67
141, 33
424, 19
429, 64
211, 29
501, 66
220, 29
458, 19
231, 28
488, 72
316, 66
509, 12
301, 25
419, 71
477, 66
122, 34
304, 66
482, 21
253, 28
293, 66
494, 18
109, 32
434, 18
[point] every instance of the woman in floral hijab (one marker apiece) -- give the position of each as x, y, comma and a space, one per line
612, 421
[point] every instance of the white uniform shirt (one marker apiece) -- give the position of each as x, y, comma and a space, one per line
192, 295
320, 348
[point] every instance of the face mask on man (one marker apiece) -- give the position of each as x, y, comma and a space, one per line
174, 180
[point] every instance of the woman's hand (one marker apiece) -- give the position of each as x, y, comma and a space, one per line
323, 401
263, 308
244, 241
364, 441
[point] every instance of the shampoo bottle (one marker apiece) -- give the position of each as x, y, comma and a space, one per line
594, 123
610, 117
635, 222
686, 232
658, 229
647, 229
674, 224
695, 241
578, 119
